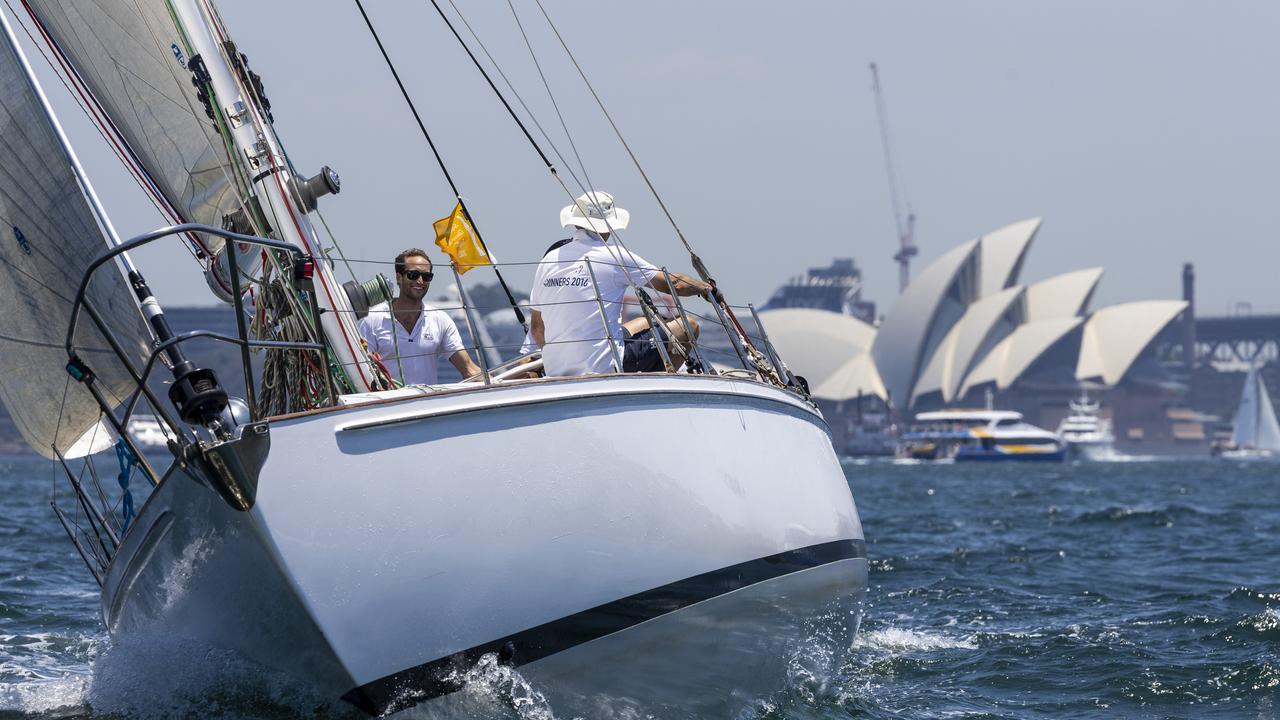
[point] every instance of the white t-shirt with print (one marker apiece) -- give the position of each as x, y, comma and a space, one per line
576, 343
412, 356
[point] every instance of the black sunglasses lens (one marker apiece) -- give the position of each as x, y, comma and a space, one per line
416, 274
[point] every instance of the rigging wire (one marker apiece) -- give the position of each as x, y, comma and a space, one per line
698, 265
520, 124
550, 95
647, 305
618, 133
515, 306
532, 117
646, 302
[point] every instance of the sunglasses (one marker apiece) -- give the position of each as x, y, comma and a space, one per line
419, 274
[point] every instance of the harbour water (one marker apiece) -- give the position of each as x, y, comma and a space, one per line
1136, 590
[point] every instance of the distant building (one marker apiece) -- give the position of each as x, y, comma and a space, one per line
837, 288
967, 327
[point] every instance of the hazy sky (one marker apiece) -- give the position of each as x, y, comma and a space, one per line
1142, 132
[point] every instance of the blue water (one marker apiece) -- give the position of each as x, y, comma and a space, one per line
1133, 590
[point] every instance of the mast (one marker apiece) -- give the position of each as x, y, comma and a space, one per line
261, 158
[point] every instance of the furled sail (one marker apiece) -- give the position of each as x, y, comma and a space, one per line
48, 237
130, 55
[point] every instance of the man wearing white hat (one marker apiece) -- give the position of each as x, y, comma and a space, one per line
566, 320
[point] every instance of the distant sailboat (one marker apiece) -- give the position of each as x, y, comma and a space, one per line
1256, 435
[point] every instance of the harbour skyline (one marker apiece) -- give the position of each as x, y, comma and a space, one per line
1137, 132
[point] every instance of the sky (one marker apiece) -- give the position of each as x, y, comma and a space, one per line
1142, 132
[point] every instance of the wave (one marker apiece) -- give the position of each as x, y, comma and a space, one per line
1156, 516
901, 640
44, 672
148, 675
1244, 593
490, 689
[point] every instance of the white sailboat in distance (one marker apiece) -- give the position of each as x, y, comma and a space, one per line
655, 543
1255, 433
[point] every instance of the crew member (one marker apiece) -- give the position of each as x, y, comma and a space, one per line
408, 335
566, 319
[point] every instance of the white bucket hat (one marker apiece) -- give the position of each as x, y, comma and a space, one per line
595, 211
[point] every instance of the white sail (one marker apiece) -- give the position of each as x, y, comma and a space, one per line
1255, 424
129, 55
1244, 429
1268, 429
48, 237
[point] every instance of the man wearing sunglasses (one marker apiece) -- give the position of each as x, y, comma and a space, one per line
409, 336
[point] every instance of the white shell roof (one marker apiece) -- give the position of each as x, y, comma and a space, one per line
900, 343
1114, 336
1061, 296
986, 322
1002, 253
814, 343
1010, 359
857, 375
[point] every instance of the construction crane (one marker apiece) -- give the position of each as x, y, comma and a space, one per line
906, 224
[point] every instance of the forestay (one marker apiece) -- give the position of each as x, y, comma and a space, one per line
130, 55
48, 237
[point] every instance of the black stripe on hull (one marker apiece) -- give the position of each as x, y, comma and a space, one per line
430, 680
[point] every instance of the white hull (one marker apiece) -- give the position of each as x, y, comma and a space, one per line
1250, 455
667, 540
1099, 450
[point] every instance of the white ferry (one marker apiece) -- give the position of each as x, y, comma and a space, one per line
978, 435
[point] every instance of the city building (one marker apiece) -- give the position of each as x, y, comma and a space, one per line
837, 289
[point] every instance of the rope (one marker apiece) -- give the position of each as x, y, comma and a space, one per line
698, 265
440, 160
127, 463
645, 302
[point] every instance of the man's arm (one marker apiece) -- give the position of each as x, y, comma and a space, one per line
685, 286
537, 329
462, 361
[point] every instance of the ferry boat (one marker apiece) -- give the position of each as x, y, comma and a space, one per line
978, 435
1086, 434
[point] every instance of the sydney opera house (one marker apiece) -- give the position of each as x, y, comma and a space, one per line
969, 331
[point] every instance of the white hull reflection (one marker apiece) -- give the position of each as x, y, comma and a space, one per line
659, 541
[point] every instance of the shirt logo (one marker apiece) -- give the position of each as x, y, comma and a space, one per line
567, 282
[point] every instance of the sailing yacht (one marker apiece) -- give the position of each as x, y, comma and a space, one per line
1255, 434
371, 540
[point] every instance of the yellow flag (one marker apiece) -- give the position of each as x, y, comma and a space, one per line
456, 237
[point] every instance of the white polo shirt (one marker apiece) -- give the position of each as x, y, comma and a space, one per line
434, 336
576, 342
